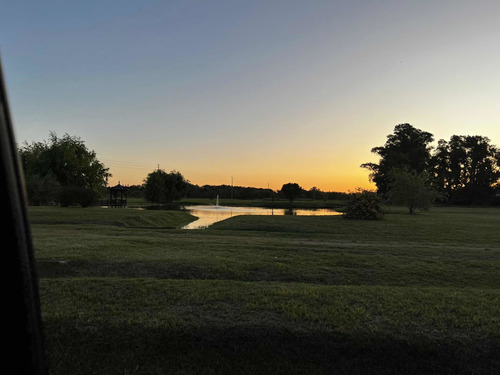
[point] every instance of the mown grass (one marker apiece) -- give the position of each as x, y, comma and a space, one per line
97, 216
121, 293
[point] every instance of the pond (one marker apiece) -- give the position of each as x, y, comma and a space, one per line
208, 215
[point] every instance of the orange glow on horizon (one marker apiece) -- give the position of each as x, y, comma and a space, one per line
341, 182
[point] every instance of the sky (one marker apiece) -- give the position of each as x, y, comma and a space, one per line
257, 93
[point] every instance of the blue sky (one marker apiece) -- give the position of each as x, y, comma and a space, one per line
268, 92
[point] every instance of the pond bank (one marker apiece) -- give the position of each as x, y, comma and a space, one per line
208, 215
259, 203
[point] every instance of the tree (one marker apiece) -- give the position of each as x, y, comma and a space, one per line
407, 148
466, 169
441, 168
411, 189
44, 190
162, 187
65, 165
315, 193
291, 191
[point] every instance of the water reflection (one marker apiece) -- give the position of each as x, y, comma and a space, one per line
207, 215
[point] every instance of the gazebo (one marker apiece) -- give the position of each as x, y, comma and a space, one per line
118, 196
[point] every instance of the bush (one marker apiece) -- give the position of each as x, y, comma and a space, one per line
363, 205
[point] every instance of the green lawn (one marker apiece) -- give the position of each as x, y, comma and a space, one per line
124, 292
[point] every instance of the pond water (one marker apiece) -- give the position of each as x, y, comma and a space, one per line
207, 215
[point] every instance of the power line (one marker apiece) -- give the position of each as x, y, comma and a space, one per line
128, 163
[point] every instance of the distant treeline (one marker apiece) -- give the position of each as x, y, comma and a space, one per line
242, 192
463, 170
63, 171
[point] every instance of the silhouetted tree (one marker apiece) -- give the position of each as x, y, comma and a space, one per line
135, 191
62, 170
315, 193
291, 191
407, 148
162, 187
466, 169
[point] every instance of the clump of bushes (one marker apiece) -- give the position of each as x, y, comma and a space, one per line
364, 205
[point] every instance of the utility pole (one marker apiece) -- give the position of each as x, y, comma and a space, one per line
231, 187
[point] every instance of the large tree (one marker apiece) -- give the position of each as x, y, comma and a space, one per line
407, 148
291, 191
62, 170
466, 169
163, 187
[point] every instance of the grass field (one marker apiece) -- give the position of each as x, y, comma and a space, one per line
124, 292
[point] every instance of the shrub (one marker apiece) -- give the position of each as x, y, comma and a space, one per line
363, 205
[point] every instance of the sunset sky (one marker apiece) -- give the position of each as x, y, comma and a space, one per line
266, 92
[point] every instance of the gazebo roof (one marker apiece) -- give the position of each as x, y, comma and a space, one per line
119, 187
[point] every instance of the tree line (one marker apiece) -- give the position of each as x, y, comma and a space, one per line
249, 193
410, 171
162, 187
63, 171
463, 170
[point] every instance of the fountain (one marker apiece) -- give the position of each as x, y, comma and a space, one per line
209, 214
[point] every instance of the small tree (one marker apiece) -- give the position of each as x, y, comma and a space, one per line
411, 189
291, 191
363, 205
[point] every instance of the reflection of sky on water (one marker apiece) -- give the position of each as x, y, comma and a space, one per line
207, 215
